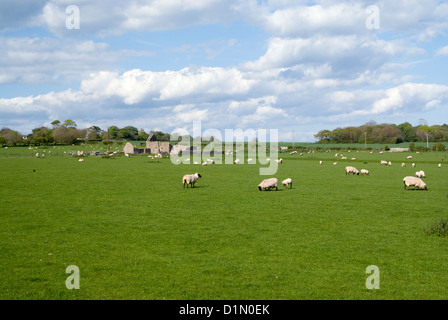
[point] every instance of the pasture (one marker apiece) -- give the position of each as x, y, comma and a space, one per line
135, 233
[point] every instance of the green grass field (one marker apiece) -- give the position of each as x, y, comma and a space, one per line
135, 233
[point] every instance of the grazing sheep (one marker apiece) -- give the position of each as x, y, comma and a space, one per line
366, 172
268, 184
409, 157
417, 183
352, 170
440, 165
279, 160
81, 160
403, 164
205, 163
320, 162
383, 163
343, 158
335, 163
190, 179
420, 174
414, 165
389, 163
287, 183
236, 161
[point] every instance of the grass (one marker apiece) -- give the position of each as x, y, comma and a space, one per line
135, 233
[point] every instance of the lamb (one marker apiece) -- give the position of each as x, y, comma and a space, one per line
287, 183
383, 163
353, 170
364, 171
279, 160
409, 157
420, 174
320, 162
81, 160
236, 161
190, 179
403, 164
268, 184
417, 183
413, 165
440, 165
390, 163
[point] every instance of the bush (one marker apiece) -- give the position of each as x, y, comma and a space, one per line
440, 228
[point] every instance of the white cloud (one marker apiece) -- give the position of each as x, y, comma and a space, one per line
442, 51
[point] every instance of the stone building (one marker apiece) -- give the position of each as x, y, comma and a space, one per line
155, 147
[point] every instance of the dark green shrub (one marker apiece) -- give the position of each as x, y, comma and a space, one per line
439, 228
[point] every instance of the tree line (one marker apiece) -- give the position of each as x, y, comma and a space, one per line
67, 132
373, 133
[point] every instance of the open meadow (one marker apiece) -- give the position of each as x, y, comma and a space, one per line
135, 233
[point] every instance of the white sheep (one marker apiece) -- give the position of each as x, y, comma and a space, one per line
205, 163
268, 184
409, 157
81, 160
335, 163
287, 183
420, 174
365, 171
190, 179
279, 160
320, 162
414, 165
440, 165
236, 161
389, 163
383, 163
415, 182
352, 170
403, 164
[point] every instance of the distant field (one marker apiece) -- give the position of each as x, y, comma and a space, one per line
135, 233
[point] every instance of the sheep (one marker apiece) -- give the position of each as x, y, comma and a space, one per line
420, 174
403, 164
236, 161
389, 163
268, 184
205, 163
353, 170
409, 157
287, 183
190, 179
343, 158
383, 163
81, 160
37, 155
414, 165
335, 163
417, 183
320, 162
440, 165
279, 160
366, 172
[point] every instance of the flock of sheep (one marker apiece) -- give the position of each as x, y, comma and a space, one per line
408, 181
272, 183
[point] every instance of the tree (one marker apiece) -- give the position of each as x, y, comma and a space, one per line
69, 124
56, 124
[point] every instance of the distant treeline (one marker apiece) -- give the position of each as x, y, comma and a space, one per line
373, 133
67, 132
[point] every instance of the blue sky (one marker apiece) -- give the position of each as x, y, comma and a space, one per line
296, 66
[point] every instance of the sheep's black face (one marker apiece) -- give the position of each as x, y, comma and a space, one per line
199, 175
259, 188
